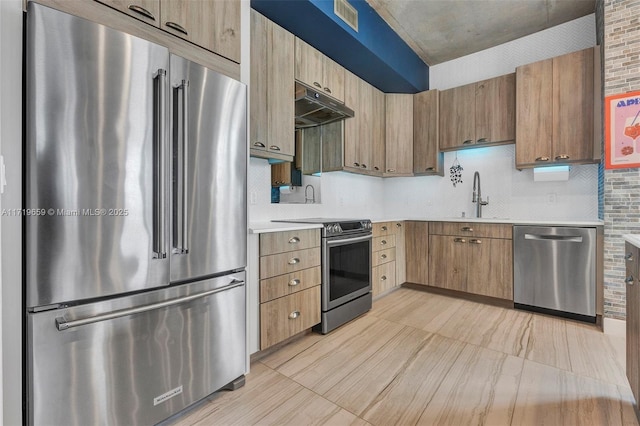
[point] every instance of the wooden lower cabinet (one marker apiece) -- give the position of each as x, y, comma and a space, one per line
632, 256
401, 264
490, 268
448, 262
383, 278
384, 256
417, 252
286, 316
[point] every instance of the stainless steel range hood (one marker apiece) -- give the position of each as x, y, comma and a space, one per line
314, 108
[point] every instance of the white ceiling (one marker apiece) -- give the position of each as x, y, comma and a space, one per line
441, 30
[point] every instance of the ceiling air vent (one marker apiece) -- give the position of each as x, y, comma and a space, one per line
346, 12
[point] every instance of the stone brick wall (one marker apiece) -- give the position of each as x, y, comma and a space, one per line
621, 186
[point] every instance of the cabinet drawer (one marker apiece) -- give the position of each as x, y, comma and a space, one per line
382, 228
383, 277
283, 285
282, 242
383, 243
284, 317
285, 263
471, 229
383, 256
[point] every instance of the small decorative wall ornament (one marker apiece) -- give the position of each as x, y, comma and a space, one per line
622, 130
455, 171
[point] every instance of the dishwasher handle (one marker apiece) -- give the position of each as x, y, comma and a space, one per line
567, 238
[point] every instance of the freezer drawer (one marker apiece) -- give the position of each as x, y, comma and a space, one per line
104, 363
555, 268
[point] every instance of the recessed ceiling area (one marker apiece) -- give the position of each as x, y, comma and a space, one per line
442, 30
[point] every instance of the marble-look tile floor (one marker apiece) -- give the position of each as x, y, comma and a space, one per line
420, 358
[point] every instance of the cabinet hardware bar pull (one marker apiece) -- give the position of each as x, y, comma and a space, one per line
467, 142
384, 228
383, 278
356, 164
629, 280
315, 83
398, 225
628, 257
294, 260
542, 159
294, 314
475, 241
482, 140
326, 89
391, 170
177, 27
259, 144
383, 256
274, 147
364, 166
294, 240
428, 169
459, 240
562, 157
294, 282
142, 11
383, 242
467, 229
376, 168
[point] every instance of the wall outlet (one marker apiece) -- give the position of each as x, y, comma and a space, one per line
551, 198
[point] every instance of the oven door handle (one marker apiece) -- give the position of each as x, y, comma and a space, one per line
343, 241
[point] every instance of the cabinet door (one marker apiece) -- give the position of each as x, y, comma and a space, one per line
145, 10
457, 117
496, 109
633, 318
417, 252
333, 79
309, 65
214, 25
383, 278
491, 261
448, 262
427, 158
534, 114
399, 134
259, 86
378, 137
401, 252
573, 106
280, 90
352, 125
365, 125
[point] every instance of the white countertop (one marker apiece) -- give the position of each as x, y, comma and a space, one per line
497, 220
265, 227
632, 238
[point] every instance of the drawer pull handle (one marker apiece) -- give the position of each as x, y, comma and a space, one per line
383, 242
391, 170
562, 157
429, 169
482, 140
384, 228
628, 257
364, 166
294, 314
326, 89
542, 159
475, 241
293, 261
459, 240
259, 144
629, 280
356, 164
376, 168
315, 83
294, 282
294, 240
467, 142
177, 27
383, 278
384, 256
274, 148
142, 11
398, 225
467, 229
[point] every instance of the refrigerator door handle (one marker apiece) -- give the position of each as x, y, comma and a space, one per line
160, 190
62, 324
182, 228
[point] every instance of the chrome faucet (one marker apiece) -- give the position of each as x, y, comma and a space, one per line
313, 194
477, 196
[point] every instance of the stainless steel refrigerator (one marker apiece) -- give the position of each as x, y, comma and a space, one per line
135, 226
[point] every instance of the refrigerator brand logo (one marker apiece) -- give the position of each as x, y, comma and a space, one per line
628, 102
167, 395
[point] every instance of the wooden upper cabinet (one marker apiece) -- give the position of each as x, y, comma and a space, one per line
365, 123
496, 109
214, 25
352, 125
556, 112
378, 113
457, 117
319, 71
145, 10
399, 135
481, 113
427, 158
272, 90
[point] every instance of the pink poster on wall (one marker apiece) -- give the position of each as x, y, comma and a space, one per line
622, 130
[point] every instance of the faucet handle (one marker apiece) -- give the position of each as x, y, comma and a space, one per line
485, 202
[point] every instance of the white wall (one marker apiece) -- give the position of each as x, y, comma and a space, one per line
11, 149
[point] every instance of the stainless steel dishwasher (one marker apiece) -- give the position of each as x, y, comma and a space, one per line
554, 270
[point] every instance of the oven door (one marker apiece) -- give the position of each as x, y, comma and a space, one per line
346, 269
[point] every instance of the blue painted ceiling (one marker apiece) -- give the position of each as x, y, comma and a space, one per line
375, 53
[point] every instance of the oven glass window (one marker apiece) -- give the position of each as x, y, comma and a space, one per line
349, 268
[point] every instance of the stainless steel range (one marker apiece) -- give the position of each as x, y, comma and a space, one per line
346, 269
